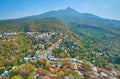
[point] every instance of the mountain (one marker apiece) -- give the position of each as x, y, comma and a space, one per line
45, 24
71, 16
99, 38
68, 12
99, 35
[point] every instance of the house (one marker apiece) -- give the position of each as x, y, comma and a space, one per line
37, 52
6, 72
4, 34
89, 75
52, 58
0, 35
49, 36
48, 77
44, 55
35, 58
15, 33
75, 60
102, 74
104, 70
30, 33
56, 69
111, 77
42, 46
57, 46
74, 66
66, 77
95, 71
27, 58
40, 72
114, 72
38, 37
55, 64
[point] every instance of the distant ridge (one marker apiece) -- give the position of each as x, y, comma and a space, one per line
69, 16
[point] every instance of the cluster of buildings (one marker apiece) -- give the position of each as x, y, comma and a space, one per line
46, 36
98, 73
30, 58
5, 34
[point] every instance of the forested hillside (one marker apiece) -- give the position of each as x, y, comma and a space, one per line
99, 43
45, 24
98, 38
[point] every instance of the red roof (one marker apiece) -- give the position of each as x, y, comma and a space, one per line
89, 75
39, 71
104, 70
56, 69
65, 67
49, 77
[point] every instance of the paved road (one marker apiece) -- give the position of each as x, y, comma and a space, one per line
50, 49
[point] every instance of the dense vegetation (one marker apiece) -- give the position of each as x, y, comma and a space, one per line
13, 49
97, 38
46, 24
99, 42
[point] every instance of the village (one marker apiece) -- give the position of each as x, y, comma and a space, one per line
54, 65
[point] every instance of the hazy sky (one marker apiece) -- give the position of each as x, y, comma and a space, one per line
10, 9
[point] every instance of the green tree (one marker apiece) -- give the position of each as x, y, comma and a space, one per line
42, 62
26, 69
109, 66
17, 77
60, 73
86, 66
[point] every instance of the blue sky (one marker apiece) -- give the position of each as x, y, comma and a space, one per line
10, 9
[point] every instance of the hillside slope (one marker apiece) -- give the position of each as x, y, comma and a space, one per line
46, 24
99, 38
70, 15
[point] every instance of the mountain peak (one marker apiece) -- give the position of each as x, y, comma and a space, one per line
69, 8
70, 11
